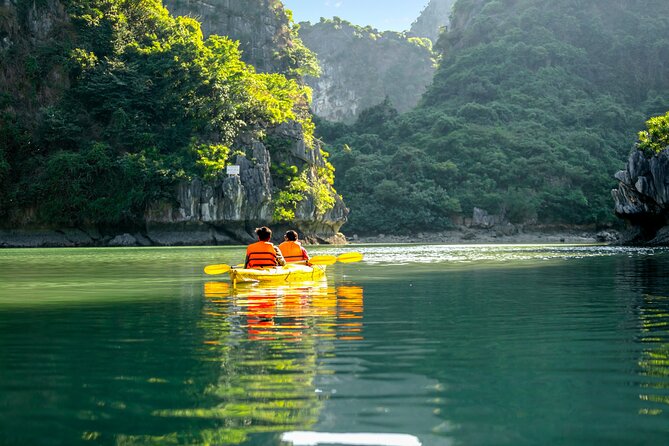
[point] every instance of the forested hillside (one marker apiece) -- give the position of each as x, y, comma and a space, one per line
535, 104
108, 104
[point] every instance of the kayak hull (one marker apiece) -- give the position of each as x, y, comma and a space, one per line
278, 275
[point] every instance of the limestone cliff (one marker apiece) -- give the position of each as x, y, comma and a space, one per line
26, 28
361, 67
200, 212
261, 27
642, 198
432, 19
227, 210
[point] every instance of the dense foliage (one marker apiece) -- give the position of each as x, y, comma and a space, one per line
655, 138
148, 102
531, 111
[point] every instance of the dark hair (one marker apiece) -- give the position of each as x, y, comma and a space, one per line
291, 235
264, 233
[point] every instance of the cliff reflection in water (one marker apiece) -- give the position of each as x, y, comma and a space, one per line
268, 343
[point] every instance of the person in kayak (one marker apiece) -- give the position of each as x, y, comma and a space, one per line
292, 249
263, 252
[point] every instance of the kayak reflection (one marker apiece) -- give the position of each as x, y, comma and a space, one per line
265, 346
291, 312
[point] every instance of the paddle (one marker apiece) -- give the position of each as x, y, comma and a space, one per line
348, 257
217, 269
323, 260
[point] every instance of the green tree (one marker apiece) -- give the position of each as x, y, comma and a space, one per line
656, 136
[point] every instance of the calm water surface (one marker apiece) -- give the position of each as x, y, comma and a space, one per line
469, 345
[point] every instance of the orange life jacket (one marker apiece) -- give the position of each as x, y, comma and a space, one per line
292, 251
261, 254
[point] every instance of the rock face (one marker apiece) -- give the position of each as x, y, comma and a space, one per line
226, 210
230, 208
24, 25
432, 19
261, 26
220, 212
642, 198
361, 67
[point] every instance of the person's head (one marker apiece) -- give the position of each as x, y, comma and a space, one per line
264, 234
291, 236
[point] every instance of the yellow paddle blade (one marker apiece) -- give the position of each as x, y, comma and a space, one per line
349, 257
216, 269
323, 260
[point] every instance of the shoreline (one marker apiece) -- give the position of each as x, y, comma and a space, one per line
458, 236
469, 236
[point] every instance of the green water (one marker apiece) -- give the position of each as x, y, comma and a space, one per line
471, 345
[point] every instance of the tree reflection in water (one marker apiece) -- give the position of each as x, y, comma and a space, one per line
654, 362
268, 342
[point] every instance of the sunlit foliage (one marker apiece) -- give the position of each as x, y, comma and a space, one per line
656, 136
148, 102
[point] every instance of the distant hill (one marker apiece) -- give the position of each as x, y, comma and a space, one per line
534, 105
360, 67
432, 19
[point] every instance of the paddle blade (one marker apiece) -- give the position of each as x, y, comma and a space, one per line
216, 269
323, 260
350, 257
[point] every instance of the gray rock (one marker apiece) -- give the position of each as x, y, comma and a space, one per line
77, 237
181, 238
622, 175
481, 219
33, 238
506, 230
661, 237
609, 236
246, 199
642, 198
469, 235
659, 172
123, 240
224, 239
142, 240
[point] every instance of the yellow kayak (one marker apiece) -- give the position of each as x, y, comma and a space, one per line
278, 275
